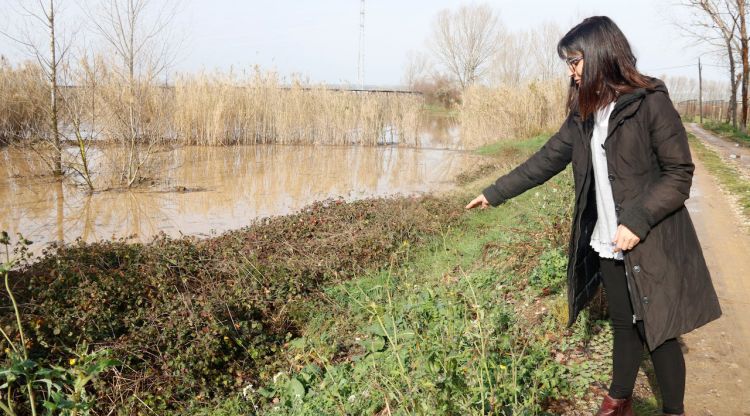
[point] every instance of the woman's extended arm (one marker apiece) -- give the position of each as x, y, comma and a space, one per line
548, 161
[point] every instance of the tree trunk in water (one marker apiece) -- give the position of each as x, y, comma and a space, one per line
57, 165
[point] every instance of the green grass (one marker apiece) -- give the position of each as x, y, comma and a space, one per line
439, 110
729, 177
503, 147
727, 131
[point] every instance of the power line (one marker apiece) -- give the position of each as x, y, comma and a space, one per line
683, 66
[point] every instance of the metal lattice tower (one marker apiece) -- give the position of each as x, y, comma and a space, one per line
361, 58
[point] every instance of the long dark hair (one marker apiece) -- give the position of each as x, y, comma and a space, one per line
608, 64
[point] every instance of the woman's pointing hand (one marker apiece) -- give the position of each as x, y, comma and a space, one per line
479, 201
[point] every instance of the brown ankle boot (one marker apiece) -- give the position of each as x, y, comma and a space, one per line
616, 407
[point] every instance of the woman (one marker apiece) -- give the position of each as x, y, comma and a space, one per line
632, 170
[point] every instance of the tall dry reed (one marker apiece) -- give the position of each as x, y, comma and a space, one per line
509, 112
24, 95
209, 109
218, 109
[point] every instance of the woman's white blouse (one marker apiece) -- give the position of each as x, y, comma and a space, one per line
606, 222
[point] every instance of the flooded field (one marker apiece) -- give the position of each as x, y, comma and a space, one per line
206, 190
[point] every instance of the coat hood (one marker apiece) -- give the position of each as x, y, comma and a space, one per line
657, 85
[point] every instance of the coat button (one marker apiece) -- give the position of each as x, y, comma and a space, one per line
636, 268
621, 121
645, 300
618, 207
611, 177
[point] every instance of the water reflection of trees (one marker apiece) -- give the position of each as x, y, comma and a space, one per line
217, 188
440, 132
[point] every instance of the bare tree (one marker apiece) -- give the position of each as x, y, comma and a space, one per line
137, 34
745, 67
80, 107
44, 13
527, 56
418, 68
511, 64
681, 88
464, 41
717, 24
545, 63
52, 65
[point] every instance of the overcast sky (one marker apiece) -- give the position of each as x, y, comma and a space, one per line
319, 39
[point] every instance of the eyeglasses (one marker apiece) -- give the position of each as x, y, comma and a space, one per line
573, 61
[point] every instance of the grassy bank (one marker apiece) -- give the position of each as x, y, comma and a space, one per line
383, 306
191, 320
729, 177
471, 322
727, 131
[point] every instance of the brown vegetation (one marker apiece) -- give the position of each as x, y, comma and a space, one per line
23, 96
511, 112
191, 319
213, 109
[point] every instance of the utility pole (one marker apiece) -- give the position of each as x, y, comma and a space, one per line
700, 90
361, 59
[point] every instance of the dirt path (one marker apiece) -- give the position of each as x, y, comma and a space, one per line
718, 354
729, 151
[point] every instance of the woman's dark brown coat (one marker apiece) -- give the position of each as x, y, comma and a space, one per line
650, 171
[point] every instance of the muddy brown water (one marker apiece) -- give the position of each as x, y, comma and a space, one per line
207, 190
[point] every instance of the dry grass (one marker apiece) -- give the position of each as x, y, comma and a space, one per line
24, 96
213, 109
509, 112
208, 109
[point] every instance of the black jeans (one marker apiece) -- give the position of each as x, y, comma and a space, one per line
627, 352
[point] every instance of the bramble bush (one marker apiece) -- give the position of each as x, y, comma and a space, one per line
188, 318
27, 383
551, 272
